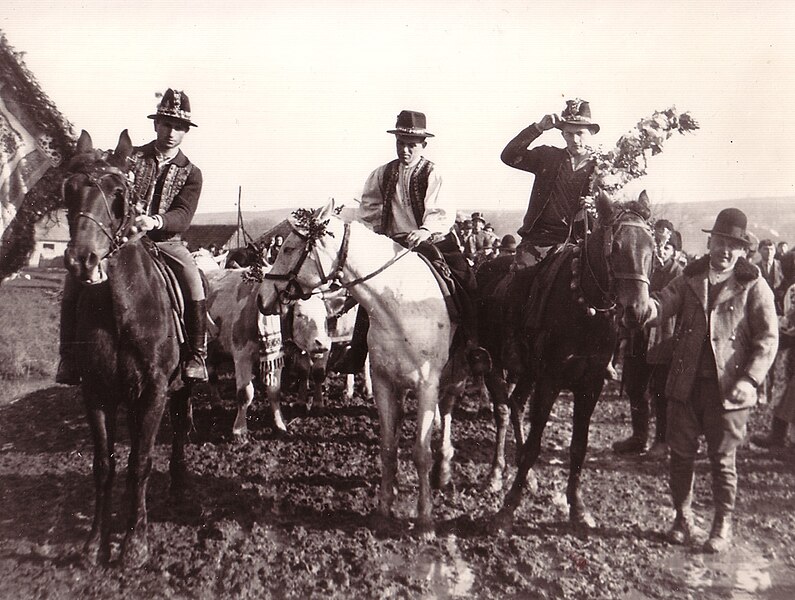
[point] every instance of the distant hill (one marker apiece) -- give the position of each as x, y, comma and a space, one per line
772, 218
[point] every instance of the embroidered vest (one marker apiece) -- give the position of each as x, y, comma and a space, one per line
418, 186
155, 194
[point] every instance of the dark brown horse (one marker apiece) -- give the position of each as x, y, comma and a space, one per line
128, 340
570, 342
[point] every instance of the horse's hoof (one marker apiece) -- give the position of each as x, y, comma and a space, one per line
95, 554
425, 531
239, 436
503, 520
134, 553
582, 519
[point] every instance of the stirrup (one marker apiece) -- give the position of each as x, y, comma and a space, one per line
194, 368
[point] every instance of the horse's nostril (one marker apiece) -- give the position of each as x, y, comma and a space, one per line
92, 260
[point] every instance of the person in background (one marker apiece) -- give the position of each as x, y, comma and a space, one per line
647, 354
771, 270
724, 348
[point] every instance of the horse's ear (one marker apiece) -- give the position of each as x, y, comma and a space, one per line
604, 205
324, 212
643, 200
124, 147
84, 143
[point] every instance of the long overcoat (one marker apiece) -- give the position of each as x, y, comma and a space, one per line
742, 328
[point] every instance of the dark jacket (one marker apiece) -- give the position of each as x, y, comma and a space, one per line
174, 194
661, 338
545, 162
742, 328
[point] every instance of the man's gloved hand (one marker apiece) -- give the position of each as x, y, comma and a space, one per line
743, 392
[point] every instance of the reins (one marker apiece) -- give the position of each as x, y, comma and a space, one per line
294, 290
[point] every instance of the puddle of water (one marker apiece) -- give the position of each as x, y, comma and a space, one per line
744, 572
448, 576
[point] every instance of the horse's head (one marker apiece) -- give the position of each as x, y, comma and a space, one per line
308, 259
628, 243
96, 193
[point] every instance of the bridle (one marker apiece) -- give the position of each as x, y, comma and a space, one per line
117, 237
609, 231
294, 290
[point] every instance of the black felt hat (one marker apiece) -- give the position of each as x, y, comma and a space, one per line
731, 223
411, 123
174, 104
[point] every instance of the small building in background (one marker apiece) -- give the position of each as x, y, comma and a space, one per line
52, 236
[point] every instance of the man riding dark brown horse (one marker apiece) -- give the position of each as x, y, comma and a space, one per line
166, 188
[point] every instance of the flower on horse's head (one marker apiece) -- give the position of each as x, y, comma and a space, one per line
310, 227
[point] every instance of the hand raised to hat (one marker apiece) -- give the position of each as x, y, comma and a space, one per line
548, 122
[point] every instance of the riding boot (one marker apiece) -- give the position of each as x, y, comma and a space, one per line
194, 366
68, 373
720, 536
777, 437
635, 443
352, 361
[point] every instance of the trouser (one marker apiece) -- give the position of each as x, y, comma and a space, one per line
187, 273
723, 430
639, 376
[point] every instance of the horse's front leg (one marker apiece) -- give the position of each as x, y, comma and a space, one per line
390, 416
318, 378
102, 422
543, 398
498, 391
146, 413
584, 404
427, 400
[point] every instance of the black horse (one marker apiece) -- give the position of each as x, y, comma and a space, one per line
128, 339
569, 340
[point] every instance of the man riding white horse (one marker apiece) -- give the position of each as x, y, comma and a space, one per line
402, 200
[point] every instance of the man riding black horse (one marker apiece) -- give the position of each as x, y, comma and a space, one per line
166, 187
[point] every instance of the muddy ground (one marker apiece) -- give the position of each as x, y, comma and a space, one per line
286, 517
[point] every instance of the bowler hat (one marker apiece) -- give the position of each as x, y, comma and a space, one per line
577, 112
476, 216
175, 105
488, 226
731, 223
410, 123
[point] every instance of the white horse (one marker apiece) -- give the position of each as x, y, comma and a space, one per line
409, 337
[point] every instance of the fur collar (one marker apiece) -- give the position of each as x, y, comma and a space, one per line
744, 271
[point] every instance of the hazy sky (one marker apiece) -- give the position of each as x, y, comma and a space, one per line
293, 98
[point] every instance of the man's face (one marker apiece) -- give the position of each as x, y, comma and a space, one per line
477, 225
783, 247
577, 138
169, 133
409, 148
666, 252
724, 252
766, 252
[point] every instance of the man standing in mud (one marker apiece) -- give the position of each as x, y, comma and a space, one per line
727, 342
562, 178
